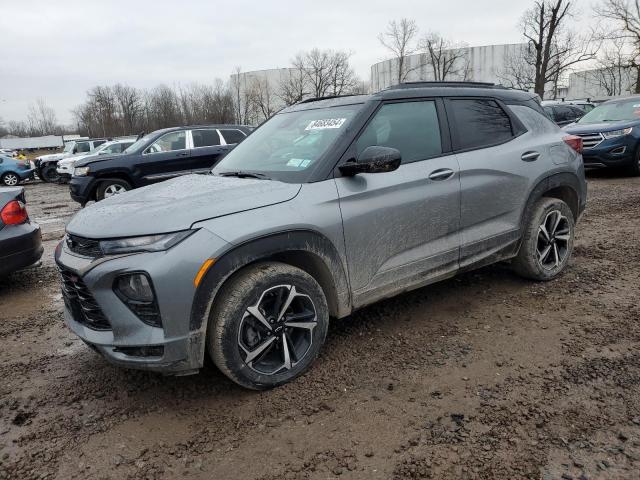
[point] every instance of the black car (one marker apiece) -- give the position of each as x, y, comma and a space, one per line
158, 156
20, 240
564, 114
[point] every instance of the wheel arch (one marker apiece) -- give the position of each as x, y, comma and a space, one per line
563, 186
305, 249
118, 175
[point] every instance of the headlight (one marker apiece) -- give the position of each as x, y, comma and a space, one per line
80, 171
149, 243
617, 133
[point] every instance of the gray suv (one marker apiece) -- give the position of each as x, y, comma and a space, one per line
331, 205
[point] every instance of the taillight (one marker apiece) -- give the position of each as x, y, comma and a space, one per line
574, 142
14, 213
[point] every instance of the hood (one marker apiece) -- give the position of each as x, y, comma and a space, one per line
176, 204
600, 127
86, 160
52, 156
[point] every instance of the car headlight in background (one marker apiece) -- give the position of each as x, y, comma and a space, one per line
149, 243
617, 133
80, 171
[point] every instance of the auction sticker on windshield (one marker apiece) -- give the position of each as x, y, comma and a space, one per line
325, 123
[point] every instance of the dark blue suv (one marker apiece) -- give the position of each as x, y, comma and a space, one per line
611, 135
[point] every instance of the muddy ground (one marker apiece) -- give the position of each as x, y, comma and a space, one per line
483, 376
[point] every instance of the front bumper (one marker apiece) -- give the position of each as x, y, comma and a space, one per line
64, 170
20, 247
129, 342
81, 189
614, 152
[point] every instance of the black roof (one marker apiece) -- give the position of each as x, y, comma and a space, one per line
419, 89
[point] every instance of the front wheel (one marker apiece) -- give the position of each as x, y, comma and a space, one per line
49, 174
109, 188
547, 242
267, 325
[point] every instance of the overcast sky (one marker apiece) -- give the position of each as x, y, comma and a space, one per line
59, 49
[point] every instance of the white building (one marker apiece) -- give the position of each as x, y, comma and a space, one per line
601, 83
482, 64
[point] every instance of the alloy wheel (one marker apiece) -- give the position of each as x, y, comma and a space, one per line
113, 189
276, 332
10, 179
554, 235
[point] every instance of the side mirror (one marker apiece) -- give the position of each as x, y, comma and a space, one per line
373, 159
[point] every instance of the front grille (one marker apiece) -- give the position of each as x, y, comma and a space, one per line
87, 247
590, 140
80, 302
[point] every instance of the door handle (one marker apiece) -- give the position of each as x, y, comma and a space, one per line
183, 154
441, 174
530, 156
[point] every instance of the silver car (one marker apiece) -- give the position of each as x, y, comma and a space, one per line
331, 205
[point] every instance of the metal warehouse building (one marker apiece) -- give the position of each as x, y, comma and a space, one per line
486, 64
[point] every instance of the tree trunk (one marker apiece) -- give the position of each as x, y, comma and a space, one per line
637, 90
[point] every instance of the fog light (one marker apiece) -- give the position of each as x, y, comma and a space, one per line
136, 287
136, 291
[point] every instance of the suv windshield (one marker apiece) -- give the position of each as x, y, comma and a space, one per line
289, 145
613, 112
139, 143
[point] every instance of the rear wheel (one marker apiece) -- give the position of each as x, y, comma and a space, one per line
267, 325
548, 241
10, 179
109, 188
49, 174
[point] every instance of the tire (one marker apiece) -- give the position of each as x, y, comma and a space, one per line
108, 188
10, 179
49, 174
234, 334
543, 256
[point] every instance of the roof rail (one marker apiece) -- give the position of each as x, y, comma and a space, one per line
328, 97
444, 84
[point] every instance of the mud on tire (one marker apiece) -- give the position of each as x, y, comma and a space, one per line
267, 325
547, 241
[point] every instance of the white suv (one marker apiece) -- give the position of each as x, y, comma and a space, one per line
115, 147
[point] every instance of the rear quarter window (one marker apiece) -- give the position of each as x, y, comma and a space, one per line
533, 120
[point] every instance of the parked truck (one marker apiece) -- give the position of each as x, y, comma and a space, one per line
37, 143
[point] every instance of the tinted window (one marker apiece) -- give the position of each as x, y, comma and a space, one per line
480, 123
232, 136
410, 127
97, 143
205, 138
169, 142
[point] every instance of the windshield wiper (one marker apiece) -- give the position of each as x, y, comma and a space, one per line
241, 174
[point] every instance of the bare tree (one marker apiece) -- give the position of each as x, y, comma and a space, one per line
613, 73
552, 47
130, 107
293, 87
326, 72
625, 15
446, 58
262, 98
41, 118
399, 38
552, 50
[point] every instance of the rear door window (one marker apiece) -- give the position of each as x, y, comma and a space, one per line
479, 123
83, 147
205, 137
410, 127
232, 136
